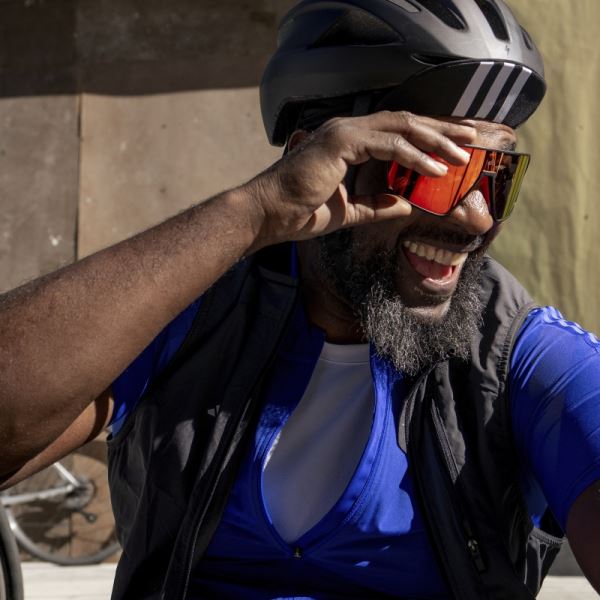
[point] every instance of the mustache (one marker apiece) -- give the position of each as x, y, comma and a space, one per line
441, 234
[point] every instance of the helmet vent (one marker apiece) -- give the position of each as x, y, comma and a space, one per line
358, 28
434, 61
527, 39
494, 18
407, 6
446, 11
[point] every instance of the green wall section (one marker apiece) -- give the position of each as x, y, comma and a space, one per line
551, 243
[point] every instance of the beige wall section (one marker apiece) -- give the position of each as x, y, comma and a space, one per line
170, 112
38, 186
146, 158
39, 143
552, 241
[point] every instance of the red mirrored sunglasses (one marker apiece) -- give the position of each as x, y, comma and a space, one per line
497, 174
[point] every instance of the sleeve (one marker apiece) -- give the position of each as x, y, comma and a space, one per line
554, 388
130, 386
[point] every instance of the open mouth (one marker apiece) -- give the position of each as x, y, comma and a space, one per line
437, 265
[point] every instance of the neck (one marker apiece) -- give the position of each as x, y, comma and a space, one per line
324, 307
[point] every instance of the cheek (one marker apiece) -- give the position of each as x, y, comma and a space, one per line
491, 235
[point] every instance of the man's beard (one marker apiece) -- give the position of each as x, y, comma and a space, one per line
402, 335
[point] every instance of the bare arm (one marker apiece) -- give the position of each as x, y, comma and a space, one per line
65, 337
583, 531
86, 427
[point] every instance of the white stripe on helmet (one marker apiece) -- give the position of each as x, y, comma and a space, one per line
512, 95
494, 93
468, 97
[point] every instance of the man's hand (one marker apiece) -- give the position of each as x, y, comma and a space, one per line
303, 195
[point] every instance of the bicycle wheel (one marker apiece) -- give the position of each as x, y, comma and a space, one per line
11, 577
66, 518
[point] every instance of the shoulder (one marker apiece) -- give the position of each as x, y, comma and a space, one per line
555, 405
548, 332
505, 304
549, 349
501, 286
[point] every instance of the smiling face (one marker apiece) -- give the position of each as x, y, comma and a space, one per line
431, 250
410, 286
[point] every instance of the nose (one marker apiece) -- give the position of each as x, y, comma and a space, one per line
472, 214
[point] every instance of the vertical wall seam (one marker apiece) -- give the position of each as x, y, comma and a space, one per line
79, 104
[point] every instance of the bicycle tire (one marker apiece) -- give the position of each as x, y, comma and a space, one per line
11, 576
57, 529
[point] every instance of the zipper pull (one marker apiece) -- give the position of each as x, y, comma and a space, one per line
473, 547
475, 552
297, 552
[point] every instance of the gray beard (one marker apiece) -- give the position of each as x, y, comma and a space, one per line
398, 333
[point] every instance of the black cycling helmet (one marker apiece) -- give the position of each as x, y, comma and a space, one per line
466, 58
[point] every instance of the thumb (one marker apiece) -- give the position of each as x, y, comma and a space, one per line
375, 208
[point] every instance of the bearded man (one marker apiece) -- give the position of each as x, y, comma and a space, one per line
341, 395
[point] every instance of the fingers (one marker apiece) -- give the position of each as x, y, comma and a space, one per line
403, 137
385, 146
340, 213
430, 139
376, 208
409, 124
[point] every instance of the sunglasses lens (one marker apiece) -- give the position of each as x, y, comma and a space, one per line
439, 195
509, 176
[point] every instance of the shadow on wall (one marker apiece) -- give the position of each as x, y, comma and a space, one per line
119, 54
130, 47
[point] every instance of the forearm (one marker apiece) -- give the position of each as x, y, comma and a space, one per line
65, 337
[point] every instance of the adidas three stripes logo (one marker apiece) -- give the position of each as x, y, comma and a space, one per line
492, 91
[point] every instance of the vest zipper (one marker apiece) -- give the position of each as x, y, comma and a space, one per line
473, 546
190, 551
192, 547
474, 551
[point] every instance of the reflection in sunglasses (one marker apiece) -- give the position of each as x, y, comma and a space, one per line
496, 173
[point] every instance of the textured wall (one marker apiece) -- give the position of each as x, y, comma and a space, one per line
39, 145
551, 242
117, 113
170, 112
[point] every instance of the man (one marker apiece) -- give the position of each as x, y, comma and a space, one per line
375, 410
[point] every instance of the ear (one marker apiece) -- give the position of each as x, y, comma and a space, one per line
297, 138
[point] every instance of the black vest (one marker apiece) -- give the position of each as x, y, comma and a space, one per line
173, 463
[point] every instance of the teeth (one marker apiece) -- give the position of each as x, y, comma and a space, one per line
439, 255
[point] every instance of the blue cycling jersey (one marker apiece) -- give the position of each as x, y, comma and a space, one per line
373, 541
